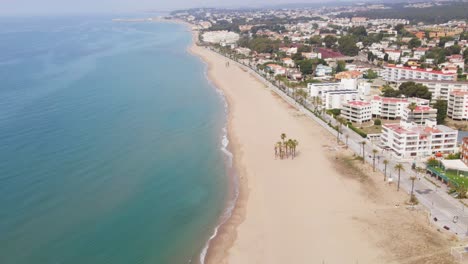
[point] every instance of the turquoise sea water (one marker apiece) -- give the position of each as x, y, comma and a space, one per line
110, 143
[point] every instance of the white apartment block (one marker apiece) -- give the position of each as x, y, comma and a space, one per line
408, 140
395, 73
357, 111
440, 89
335, 99
419, 115
333, 95
457, 107
393, 108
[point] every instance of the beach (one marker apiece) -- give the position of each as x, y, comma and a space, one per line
321, 206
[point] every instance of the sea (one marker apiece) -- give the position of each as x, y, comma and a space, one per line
113, 145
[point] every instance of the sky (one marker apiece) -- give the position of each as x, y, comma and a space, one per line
111, 6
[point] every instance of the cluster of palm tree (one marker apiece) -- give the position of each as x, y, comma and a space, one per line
286, 147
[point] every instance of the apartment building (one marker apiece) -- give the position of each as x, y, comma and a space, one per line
419, 115
357, 111
407, 140
440, 89
457, 106
334, 94
395, 73
393, 108
464, 150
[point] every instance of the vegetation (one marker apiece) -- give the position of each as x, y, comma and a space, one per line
399, 167
285, 148
357, 130
370, 74
385, 162
377, 122
347, 45
363, 143
259, 44
374, 152
341, 66
453, 156
408, 89
330, 41
441, 106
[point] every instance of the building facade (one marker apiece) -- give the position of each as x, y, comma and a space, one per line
419, 115
464, 150
357, 111
395, 73
393, 108
408, 140
457, 106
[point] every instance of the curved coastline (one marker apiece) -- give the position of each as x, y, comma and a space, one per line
224, 234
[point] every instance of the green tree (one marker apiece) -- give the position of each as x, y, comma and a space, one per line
441, 106
465, 55
370, 74
399, 28
377, 122
455, 49
388, 91
330, 41
347, 45
414, 43
412, 89
341, 66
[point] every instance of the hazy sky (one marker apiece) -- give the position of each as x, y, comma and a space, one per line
80, 6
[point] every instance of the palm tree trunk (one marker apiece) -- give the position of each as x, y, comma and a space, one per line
398, 186
373, 162
412, 187
385, 173
363, 155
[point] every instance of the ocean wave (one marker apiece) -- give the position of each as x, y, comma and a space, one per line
234, 179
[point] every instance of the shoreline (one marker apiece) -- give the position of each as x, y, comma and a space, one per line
277, 231
223, 235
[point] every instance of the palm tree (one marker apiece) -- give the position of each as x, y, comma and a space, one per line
363, 143
338, 130
283, 137
385, 162
374, 151
400, 168
412, 178
296, 143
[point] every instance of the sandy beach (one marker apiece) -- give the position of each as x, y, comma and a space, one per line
322, 206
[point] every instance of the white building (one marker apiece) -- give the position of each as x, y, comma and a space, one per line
419, 115
393, 55
357, 111
276, 69
408, 140
218, 37
457, 107
440, 89
393, 108
323, 70
395, 73
336, 98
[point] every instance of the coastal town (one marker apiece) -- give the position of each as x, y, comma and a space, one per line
392, 88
